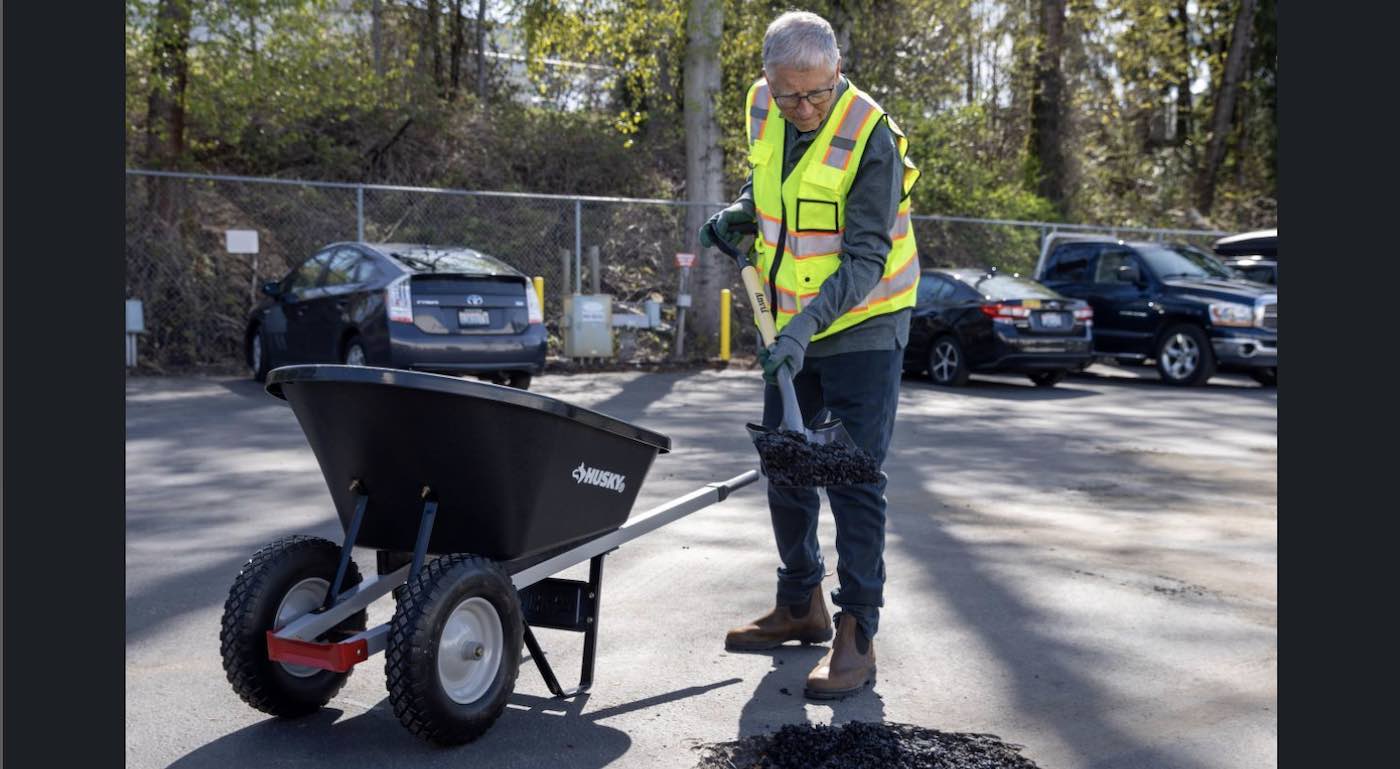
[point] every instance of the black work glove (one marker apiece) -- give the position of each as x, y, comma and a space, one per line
790, 348
724, 221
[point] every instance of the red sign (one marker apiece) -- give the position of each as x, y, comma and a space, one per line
685, 260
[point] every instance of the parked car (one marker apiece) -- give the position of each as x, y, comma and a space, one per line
978, 321
447, 310
1252, 254
1167, 304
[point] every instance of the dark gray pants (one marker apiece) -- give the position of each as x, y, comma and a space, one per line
862, 390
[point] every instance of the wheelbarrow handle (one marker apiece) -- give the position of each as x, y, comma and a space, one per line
763, 315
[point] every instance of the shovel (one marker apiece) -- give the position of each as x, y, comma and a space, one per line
794, 455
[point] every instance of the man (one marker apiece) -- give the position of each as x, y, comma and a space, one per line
828, 188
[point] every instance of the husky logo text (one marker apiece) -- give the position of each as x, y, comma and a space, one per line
601, 478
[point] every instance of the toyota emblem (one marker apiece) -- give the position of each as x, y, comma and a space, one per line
474, 300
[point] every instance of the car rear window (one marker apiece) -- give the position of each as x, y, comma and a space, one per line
1007, 287
431, 260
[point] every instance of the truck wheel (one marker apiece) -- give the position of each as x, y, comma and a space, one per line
1185, 357
1047, 378
946, 363
282, 581
257, 356
1265, 376
454, 649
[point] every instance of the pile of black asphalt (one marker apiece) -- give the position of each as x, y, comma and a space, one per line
862, 745
789, 459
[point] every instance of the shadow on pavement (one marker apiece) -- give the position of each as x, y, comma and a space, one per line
521, 738
990, 388
1055, 680
532, 732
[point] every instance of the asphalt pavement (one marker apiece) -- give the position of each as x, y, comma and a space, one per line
1089, 571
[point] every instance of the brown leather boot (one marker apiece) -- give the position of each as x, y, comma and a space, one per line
779, 625
845, 669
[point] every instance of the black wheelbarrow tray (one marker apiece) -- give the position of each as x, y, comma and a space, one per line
472, 496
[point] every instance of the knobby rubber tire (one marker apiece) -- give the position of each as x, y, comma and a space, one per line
410, 660
251, 610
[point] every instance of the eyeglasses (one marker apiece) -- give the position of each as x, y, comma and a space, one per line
815, 98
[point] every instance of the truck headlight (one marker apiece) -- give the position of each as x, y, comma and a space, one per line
1231, 314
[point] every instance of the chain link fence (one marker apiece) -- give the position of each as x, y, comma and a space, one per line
197, 296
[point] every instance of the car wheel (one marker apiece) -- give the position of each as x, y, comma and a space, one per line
354, 352
1265, 376
257, 356
520, 380
1184, 356
1047, 378
946, 363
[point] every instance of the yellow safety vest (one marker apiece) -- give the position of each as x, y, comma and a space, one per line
811, 205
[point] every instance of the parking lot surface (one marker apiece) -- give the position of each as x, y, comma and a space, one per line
1089, 571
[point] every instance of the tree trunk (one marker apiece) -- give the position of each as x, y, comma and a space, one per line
434, 40
457, 45
376, 35
704, 165
1183, 83
1047, 107
165, 105
1223, 114
481, 50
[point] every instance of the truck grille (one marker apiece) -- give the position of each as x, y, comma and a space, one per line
1269, 318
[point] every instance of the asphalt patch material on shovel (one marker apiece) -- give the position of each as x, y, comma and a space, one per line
789, 459
862, 745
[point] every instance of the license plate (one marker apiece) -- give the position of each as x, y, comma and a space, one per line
473, 317
1052, 319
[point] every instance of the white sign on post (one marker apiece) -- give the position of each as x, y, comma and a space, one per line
241, 241
684, 260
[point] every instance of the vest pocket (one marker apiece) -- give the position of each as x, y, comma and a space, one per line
816, 215
760, 153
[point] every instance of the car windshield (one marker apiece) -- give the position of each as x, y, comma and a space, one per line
443, 260
1007, 287
1177, 261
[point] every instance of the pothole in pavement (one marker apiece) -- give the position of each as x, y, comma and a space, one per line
863, 745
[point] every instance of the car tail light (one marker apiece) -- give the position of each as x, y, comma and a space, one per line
998, 311
1084, 313
399, 298
533, 310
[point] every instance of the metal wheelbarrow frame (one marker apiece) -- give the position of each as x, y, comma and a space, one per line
294, 624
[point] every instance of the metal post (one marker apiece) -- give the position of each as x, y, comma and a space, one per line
566, 264
578, 245
360, 212
594, 279
682, 301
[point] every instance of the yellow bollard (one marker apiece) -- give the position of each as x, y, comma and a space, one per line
539, 291
724, 299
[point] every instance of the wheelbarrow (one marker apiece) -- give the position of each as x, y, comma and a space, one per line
471, 495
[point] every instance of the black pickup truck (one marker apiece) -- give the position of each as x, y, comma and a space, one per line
1167, 304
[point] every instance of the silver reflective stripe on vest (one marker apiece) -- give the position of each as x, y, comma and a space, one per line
758, 113
901, 226
838, 153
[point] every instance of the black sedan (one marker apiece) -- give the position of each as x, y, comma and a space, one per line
972, 320
446, 310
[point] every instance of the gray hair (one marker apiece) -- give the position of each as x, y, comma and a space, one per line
800, 40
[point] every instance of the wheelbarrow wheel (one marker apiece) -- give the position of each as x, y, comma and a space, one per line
454, 649
281, 582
